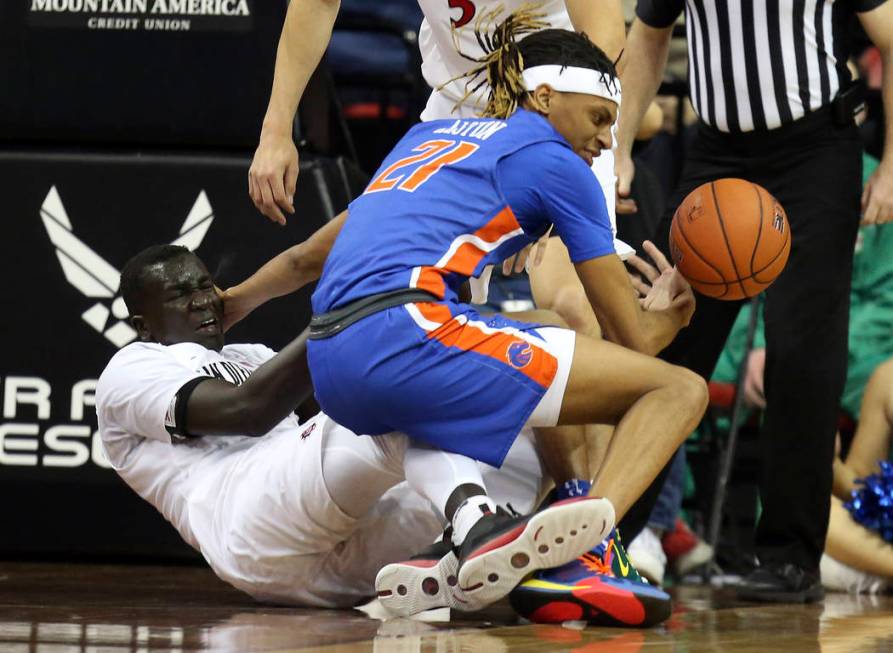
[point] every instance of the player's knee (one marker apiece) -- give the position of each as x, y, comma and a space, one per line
690, 389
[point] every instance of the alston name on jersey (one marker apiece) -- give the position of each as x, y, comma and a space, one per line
482, 130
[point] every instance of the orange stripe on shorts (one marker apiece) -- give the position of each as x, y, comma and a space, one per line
534, 362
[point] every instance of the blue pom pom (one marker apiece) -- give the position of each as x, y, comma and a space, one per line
872, 504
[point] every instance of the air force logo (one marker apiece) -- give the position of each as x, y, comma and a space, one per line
94, 277
519, 354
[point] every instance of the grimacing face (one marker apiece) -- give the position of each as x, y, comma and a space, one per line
584, 120
180, 304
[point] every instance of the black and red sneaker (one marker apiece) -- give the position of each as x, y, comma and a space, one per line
427, 580
500, 550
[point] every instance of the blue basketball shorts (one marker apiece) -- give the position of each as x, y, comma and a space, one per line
444, 375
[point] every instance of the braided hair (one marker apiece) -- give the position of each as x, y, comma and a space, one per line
506, 55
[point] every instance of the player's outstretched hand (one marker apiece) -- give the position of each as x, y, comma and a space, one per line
273, 176
662, 287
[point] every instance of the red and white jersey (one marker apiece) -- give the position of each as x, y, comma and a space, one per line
441, 61
451, 22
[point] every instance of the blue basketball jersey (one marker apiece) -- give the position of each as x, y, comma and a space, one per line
434, 213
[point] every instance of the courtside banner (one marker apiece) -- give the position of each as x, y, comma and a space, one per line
147, 15
182, 73
71, 221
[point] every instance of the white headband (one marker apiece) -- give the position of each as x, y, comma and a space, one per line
571, 79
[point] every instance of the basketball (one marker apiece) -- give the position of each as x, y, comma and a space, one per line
730, 239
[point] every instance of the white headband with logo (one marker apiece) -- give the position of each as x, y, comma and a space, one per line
572, 79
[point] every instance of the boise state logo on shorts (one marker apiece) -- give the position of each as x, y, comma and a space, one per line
519, 354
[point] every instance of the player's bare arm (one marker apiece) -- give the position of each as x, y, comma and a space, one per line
272, 392
622, 318
602, 21
877, 197
287, 272
645, 58
274, 170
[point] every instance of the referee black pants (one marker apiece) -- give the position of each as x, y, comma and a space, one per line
815, 170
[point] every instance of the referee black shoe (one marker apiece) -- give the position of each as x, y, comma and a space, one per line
778, 582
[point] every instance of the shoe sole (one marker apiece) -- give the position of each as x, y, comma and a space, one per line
550, 538
413, 586
616, 604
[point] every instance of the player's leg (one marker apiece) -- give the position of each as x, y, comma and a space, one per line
571, 454
357, 471
654, 406
611, 383
556, 287
459, 382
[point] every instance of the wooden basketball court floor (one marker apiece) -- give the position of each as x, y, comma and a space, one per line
63, 608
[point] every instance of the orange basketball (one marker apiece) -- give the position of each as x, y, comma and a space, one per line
730, 238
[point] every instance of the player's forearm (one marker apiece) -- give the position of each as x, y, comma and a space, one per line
660, 328
646, 57
272, 392
305, 36
612, 298
289, 271
602, 20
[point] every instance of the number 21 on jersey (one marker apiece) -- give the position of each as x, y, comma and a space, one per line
411, 172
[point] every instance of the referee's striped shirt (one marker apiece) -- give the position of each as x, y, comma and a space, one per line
760, 64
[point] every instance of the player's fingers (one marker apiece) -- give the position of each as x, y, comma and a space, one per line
866, 196
253, 191
520, 262
268, 206
643, 268
507, 266
277, 184
625, 206
679, 283
291, 183
656, 255
539, 253
640, 286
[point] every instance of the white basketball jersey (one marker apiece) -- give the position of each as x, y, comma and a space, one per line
449, 23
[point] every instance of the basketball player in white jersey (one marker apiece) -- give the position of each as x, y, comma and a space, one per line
302, 514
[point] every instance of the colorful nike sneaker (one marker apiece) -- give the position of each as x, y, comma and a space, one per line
501, 550
600, 587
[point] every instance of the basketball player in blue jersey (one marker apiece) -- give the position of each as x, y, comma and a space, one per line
394, 349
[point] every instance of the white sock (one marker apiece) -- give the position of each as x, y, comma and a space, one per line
435, 474
469, 514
